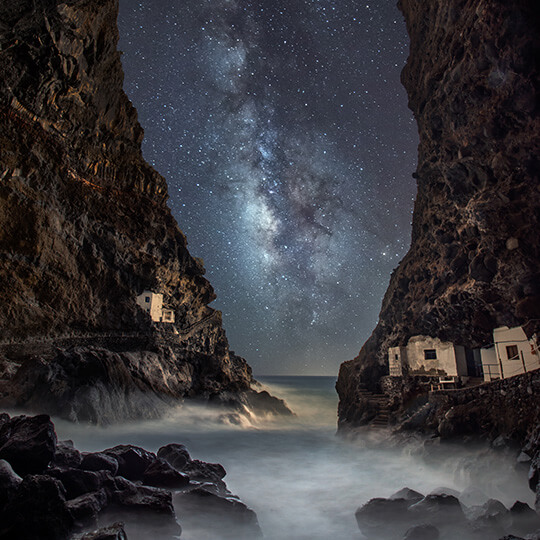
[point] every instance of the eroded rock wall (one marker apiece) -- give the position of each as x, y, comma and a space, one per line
84, 225
472, 80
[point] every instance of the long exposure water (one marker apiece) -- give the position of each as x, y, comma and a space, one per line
302, 480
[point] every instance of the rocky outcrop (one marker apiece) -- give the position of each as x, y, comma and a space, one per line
44, 496
408, 515
84, 229
473, 265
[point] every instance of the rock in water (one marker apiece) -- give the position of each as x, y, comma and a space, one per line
85, 230
29, 443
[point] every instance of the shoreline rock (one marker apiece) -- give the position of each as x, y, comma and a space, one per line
44, 496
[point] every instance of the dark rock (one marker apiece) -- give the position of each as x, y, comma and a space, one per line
524, 519
422, 532
383, 518
408, 495
147, 512
30, 443
113, 532
492, 518
77, 482
221, 517
85, 509
67, 455
38, 511
175, 454
161, 474
440, 509
99, 461
132, 460
9, 482
204, 472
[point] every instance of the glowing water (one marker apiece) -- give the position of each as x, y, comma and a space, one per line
302, 480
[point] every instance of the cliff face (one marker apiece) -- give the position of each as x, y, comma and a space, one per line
472, 80
84, 226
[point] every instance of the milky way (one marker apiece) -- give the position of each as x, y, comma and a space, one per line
284, 135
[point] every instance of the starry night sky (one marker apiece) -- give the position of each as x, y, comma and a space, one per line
283, 132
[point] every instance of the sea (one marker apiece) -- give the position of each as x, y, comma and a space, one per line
303, 481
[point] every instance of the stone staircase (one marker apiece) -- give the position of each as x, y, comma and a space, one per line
380, 402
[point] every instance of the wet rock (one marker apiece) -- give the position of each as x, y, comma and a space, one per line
78, 481
67, 455
175, 454
9, 482
85, 509
407, 494
30, 443
524, 519
99, 461
113, 532
491, 519
147, 512
38, 511
132, 460
441, 509
161, 474
221, 517
422, 532
382, 518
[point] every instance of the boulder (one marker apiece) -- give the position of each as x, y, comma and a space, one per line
224, 517
37, 511
175, 454
146, 511
9, 482
132, 460
113, 532
67, 455
524, 519
99, 461
422, 532
407, 494
30, 443
85, 509
161, 474
77, 482
438, 508
383, 518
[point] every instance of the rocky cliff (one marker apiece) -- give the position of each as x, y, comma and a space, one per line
472, 79
85, 228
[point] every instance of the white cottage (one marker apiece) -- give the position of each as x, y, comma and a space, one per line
428, 356
511, 353
152, 303
424, 355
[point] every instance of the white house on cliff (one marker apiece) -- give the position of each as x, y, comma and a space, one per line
511, 353
152, 303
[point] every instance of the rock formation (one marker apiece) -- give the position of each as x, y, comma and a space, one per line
85, 229
50, 490
473, 265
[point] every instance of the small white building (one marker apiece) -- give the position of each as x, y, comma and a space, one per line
152, 303
511, 353
424, 355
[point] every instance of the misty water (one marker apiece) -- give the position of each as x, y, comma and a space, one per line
302, 480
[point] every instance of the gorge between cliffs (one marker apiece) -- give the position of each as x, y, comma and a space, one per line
127, 414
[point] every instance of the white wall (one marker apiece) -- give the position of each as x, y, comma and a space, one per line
490, 364
397, 357
444, 365
154, 306
527, 361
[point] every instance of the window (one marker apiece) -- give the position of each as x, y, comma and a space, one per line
396, 356
430, 354
512, 352
147, 299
